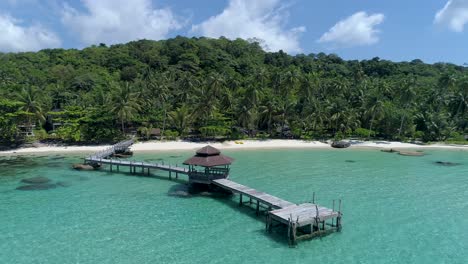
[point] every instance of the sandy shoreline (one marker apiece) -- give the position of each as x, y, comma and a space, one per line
240, 144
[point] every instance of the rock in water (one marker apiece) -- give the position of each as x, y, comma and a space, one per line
411, 153
340, 144
179, 191
36, 180
37, 187
63, 184
79, 166
446, 163
388, 150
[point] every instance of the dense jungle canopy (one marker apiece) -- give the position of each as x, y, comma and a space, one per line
220, 88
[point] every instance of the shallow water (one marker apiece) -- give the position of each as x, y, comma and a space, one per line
396, 209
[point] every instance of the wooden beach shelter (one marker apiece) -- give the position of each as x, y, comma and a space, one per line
208, 164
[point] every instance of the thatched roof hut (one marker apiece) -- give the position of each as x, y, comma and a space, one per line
209, 157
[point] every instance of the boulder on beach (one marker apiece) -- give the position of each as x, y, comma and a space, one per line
340, 144
36, 180
79, 166
446, 163
389, 150
37, 187
411, 153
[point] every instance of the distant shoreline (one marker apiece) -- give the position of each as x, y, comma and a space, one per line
152, 146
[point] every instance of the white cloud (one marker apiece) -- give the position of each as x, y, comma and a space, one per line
356, 30
260, 19
117, 21
16, 37
454, 15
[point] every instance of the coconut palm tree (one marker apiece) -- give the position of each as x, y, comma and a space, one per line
375, 109
125, 104
181, 119
32, 100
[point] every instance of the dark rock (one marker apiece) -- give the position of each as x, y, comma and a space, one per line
411, 153
340, 144
79, 166
37, 187
36, 180
389, 150
350, 161
446, 163
63, 184
180, 190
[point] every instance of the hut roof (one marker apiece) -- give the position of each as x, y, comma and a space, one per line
208, 151
209, 157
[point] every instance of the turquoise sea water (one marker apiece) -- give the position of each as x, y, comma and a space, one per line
396, 209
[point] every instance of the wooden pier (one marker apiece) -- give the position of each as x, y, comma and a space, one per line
104, 158
303, 221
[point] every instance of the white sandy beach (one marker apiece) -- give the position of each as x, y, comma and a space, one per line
240, 144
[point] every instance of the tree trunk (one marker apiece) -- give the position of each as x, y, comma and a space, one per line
370, 126
401, 125
123, 126
164, 124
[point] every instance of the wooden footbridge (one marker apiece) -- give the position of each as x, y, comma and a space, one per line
303, 221
104, 157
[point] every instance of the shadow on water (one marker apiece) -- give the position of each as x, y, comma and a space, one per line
278, 234
142, 175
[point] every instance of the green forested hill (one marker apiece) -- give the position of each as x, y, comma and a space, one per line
217, 87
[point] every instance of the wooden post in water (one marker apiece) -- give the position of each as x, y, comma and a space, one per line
258, 207
240, 199
338, 219
313, 197
333, 209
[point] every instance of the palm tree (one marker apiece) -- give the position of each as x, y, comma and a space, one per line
406, 98
215, 83
32, 100
181, 119
125, 104
285, 106
159, 95
267, 111
375, 108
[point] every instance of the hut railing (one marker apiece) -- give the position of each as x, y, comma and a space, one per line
207, 176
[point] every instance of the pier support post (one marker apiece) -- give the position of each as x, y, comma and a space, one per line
258, 207
240, 199
170, 175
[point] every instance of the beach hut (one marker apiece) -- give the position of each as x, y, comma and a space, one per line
208, 164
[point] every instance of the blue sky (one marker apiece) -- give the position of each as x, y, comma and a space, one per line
354, 29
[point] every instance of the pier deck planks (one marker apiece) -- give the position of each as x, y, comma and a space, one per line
265, 198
